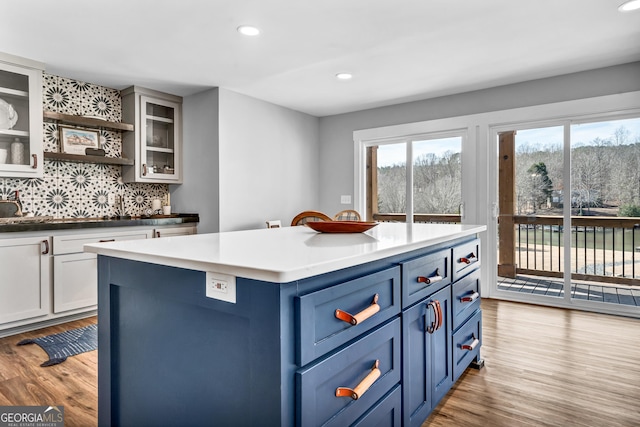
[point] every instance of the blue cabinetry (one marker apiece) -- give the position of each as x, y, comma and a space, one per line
378, 343
426, 352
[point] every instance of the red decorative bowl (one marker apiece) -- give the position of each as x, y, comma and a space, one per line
341, 226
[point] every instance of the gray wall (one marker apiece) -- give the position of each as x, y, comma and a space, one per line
246, 161
336, 132
268, 162
200, 191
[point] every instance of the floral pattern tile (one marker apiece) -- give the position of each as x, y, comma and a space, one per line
81, 190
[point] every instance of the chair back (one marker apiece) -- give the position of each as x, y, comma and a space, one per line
306, 216
347, 215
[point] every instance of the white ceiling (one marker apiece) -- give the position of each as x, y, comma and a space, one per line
397, 50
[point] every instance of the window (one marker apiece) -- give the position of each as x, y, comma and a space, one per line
432, 181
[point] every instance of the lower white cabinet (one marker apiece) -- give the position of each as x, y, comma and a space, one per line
25, 269
75, 280
174, 231
47, 277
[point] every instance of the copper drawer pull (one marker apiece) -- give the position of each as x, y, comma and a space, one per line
359, 317
364, 385
471, 346
470, 298
437, 316
106, 240
144, 169
432, 279
467, 260
46, 247
35, 161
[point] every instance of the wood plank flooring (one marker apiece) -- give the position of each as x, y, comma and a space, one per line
544, 367
72, 384
549, 367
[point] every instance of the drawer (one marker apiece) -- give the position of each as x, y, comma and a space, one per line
350, 367
466, 298
74, 243
384, 413
466, 344
318, 328
425, 275
466, 258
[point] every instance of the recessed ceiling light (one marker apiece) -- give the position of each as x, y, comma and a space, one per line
248, 30
344, 76
629, 6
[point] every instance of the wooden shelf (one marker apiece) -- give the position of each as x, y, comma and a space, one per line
87, 121
88, 159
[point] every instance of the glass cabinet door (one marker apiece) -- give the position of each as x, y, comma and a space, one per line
20, 121
159, 138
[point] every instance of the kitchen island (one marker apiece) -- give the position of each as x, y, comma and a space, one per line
280, 327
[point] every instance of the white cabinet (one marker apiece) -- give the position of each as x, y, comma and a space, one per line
156, 143
20, 117
75, 281
174, 231
24, 278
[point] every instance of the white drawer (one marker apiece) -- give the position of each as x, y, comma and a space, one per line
74, 243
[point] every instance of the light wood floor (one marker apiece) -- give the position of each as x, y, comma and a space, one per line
544, 367
72, 384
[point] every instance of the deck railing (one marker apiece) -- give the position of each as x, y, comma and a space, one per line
435, 218
603, 249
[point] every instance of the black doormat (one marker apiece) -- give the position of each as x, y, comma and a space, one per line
65, 344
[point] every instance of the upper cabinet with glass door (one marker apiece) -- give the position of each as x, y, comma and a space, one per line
20, 117
156, 144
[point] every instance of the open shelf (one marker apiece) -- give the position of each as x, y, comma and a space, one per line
88, 159
87, 121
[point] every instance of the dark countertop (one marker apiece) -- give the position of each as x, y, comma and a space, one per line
85, 223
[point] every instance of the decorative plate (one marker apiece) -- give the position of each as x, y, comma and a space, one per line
8, 116
341, 226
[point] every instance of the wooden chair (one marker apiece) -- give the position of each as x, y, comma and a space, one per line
347, 215
307, 216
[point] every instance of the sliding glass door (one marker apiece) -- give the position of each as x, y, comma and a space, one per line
568, 212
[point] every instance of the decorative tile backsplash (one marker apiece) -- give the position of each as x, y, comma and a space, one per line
81, 190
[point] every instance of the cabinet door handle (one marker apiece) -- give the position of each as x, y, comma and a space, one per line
473, 344
365, 384
354, 319
157, 234
35, 161
467, 259
144, 169
470, 298
46, 247
436, 323
106, 240
433, 279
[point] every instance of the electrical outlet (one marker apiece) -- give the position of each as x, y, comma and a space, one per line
345, 199
111, 199
220, 286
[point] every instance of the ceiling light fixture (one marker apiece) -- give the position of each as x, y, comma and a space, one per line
629, 6
248, 30
344, 76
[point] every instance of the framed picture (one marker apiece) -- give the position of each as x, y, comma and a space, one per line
75, 141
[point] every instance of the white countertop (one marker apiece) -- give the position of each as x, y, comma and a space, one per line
283, 254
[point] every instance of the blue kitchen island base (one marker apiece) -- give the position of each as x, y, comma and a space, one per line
345, 347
